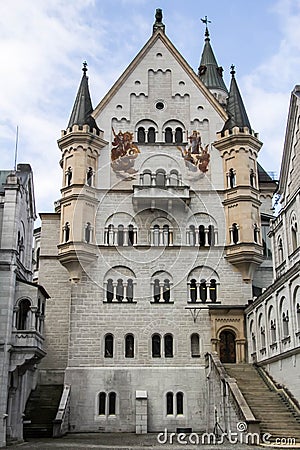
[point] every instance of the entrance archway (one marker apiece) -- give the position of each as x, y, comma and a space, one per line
227, 347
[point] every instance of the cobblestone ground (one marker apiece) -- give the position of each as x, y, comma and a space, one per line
127, 441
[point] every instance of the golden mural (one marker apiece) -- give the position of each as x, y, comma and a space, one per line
195, 156
124, 154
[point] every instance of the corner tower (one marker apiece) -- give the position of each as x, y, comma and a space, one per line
239, 147
80, 145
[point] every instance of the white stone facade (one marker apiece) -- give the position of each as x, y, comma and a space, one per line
153, 260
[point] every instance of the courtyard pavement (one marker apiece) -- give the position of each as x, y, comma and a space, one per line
126, 441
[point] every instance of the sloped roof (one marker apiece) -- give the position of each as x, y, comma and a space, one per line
235, 107
209, 72
82, 109
159, 34
263, 176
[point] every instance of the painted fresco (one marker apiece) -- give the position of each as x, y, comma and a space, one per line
195, 156
123, 155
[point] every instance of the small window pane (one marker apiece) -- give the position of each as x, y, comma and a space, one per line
168, 346
129, 346
112, 403
156, 346
109, 346
179, 402
170, 403
102, 402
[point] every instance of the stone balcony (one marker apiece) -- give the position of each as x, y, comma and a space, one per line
160, 197
27, 345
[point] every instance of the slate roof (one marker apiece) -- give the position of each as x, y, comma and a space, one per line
235, 107
209, 72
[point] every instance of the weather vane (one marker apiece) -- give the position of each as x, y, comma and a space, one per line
205, 20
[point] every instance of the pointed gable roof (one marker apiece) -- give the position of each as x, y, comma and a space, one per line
159, 34
82, 109
235, 107
209, 72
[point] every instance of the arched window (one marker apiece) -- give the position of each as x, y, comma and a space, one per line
110, 234
178, 135
280, 250
156, 346
121, 235
192, 235
130, 235
256, 233
193, 291
102, 403
37, 257
129, 293
168, 344
298, 316
203, 291
166, 291
201, 236
109, 346
156, 235
213, 290
141, 135
147, 178
294, 232
168, 135
129, 346
67, 232
195, 345
262, 337
23, 315
112, 403
273, 331
156, 293
109, 291
235, 233
179, 403
160, 178
252, 178
120, 290
69, 175
151, 135
88, 232
89, 176
211, 235
166, 235
231, 178
285, 324
169, 399
174, 179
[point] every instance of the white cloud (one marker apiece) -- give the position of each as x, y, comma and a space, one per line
266, 90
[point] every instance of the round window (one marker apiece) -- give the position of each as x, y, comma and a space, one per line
159, 105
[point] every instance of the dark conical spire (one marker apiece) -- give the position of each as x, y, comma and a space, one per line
209, 72
82, 109
235, 107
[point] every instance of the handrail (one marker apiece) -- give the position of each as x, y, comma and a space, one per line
244, 409
281, 390
61, 421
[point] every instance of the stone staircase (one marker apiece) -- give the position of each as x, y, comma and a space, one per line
40, 411
276, 418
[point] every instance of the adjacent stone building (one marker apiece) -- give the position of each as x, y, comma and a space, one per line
22, 303
273, 320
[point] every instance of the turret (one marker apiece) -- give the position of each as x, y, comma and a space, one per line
239, 147
80, 145
209, 72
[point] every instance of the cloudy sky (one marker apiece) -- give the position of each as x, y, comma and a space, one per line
44, 42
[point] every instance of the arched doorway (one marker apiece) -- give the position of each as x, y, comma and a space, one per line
227, 347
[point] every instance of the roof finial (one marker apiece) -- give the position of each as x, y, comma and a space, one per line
206, 21
158, 25
84, 69
232, 72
